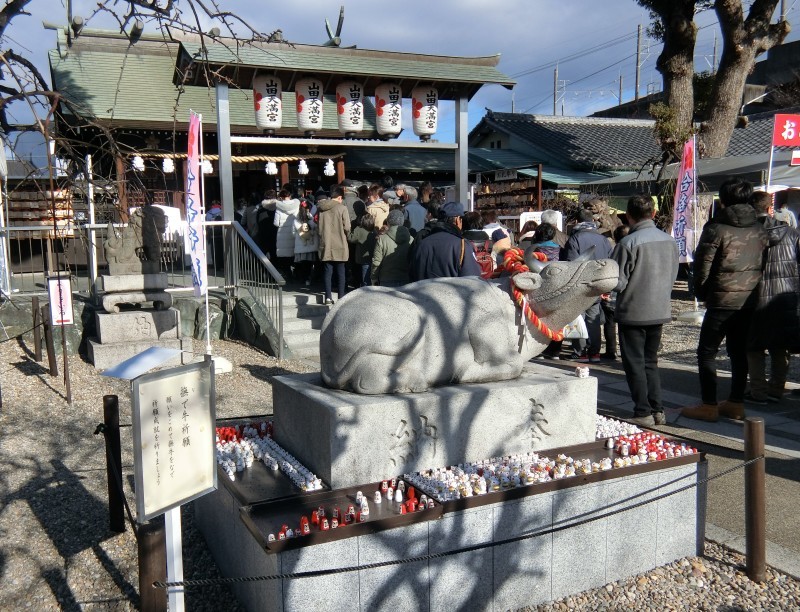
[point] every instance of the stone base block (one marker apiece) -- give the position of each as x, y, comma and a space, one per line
104, 356
132, 282
161, 299
518, 574
349, 439
138, 326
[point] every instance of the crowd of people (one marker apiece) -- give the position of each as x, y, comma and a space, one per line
746, 270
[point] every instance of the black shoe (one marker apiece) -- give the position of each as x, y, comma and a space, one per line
609, 356
659, 418
552, 356
748, 397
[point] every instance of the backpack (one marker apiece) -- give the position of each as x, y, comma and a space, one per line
483, 253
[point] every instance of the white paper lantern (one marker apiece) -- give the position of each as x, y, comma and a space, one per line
350, 107
329, 170
388, 109
308, 93
168, 166
267, 91
302, 167
425, 111
138, 163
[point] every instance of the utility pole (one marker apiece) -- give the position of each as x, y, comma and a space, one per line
620, 90
714, 59
555, 90
783, 10
638, 60
512, 102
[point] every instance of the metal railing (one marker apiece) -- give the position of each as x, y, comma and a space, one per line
236, 264
35, 251
248, 270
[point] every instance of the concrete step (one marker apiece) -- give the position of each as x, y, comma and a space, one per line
309, 350
293, 298
304, 310
297, 337
306, 322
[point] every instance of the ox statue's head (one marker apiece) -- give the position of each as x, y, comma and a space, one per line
560, 290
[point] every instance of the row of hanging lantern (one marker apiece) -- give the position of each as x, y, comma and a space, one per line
168, 165
267, 91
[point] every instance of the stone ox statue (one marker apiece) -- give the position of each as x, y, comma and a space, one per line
442, 331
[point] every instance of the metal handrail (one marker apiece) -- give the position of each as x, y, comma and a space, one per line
247, 268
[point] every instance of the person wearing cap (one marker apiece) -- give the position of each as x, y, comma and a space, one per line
443, 252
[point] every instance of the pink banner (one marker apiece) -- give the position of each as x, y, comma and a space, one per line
194, 210
685, 192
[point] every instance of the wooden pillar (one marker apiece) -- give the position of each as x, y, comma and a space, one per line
284, 173
122, 204
339, 170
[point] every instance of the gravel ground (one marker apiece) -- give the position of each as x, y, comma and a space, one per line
56, 551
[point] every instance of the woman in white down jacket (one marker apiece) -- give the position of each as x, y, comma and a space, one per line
285, 213
306, 241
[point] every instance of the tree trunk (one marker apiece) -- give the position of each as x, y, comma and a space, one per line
676, 62
743, 40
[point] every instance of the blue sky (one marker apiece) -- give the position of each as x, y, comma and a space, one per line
530, 35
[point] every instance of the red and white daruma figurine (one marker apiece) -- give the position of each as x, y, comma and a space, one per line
308, 94
388, 109
350, 107
425, 111
267, 91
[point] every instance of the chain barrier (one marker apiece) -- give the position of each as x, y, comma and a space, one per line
526, 536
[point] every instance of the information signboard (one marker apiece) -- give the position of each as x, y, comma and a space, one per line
173, 437
59, 290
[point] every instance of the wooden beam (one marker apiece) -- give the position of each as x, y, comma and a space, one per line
339, 170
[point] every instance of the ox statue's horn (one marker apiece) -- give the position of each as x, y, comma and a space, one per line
534, 265
587, 256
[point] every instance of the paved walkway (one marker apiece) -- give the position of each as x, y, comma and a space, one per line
723, 443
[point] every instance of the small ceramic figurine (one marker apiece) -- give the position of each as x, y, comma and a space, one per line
378, 497
271, 537
398, 496
364, 508
324, 525
390, 493
359, 497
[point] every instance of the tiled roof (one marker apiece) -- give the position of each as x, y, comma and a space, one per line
450, 74
580, 143
132, 86
756, 136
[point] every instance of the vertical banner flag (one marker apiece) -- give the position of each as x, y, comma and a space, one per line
682, 227
194, 210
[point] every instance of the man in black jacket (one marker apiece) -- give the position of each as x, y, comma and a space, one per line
727, 270
443, 252
775, 326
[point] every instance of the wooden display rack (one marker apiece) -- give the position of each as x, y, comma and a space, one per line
514, 193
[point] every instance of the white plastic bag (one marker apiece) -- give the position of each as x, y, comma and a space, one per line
576, 329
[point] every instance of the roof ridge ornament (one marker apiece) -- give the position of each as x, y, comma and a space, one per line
334, 40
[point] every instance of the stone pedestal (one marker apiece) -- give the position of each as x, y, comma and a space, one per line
134, 289
348, 439
502, 577
121, 336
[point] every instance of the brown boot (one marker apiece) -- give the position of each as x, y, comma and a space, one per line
732, 410
702, 412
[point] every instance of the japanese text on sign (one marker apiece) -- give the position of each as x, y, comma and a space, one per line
173, 422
